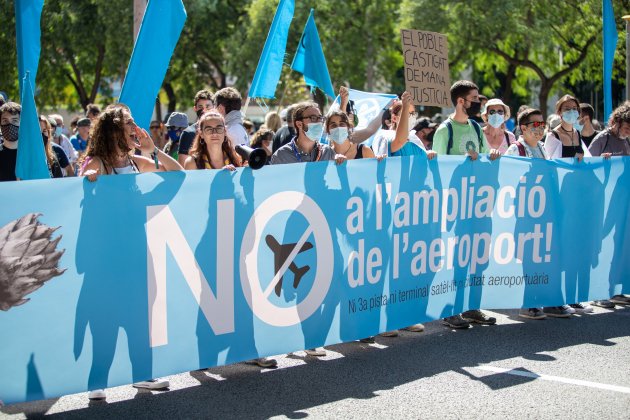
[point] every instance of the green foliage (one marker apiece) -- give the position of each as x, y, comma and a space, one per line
513, 47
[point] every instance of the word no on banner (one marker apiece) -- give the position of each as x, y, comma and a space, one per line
426, 67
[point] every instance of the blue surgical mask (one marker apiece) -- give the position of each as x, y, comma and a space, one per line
496, 120
174, 135
571, 116
315, 131
339, 134
58, 131
578, 126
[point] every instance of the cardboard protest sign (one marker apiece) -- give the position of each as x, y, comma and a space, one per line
426, 67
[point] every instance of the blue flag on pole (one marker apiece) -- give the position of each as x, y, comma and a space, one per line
31, 157
28, 15
310, 60
270, 64
161, 26
610, 46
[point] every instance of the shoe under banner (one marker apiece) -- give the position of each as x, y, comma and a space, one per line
133, 277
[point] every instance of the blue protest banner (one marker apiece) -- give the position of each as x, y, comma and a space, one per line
610, 46
31, 156
162, 24
140, 276
309, 59
28, 14
270, 63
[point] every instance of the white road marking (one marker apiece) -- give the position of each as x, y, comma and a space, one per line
580, 382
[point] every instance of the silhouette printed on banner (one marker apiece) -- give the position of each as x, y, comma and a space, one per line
280, 255
28, 259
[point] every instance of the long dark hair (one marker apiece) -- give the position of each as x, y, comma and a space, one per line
199, 151
108, 135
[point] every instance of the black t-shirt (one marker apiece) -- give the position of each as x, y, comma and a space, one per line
186, 139
589, 139
8, 159
61, 155
282, 137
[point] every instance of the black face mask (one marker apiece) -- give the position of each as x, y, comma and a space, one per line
200, 113
474, 109
10, 131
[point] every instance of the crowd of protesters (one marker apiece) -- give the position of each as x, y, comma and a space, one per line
108, 142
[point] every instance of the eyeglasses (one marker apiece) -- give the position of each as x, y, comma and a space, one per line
154, 127
314, 118
496, 111
212, 130
537, 124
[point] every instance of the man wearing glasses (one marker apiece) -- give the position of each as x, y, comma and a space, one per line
305, 146
204, 102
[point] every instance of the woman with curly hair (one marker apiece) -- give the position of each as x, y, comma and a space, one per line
111, 147
211, 148
262, 140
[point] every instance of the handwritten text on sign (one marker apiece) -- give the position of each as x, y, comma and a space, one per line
426, 67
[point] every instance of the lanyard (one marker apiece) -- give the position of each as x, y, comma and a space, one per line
299, 157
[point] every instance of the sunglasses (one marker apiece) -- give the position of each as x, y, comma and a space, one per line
154, 127
494, 111
537, 124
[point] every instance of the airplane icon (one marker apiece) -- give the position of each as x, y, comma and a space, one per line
280, 255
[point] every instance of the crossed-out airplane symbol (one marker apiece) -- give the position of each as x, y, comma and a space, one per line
281, 254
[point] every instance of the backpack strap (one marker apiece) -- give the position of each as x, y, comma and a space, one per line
449, 126
521, 149
507, 138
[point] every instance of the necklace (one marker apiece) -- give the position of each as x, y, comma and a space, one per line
569, 133
348, 149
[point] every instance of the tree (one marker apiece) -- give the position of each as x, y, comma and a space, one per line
526, 40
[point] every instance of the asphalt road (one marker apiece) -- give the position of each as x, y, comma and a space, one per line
556, 368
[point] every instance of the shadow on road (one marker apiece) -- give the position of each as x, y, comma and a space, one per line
364, 370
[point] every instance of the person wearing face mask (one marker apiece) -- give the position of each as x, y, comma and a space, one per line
585, 124
614, 141
459, 134
565, 141
228, 102
424, 130
176, 124
58, 163
60, 138
262, 140
495, 114
10, 126
339, 132
203, 102
306, 147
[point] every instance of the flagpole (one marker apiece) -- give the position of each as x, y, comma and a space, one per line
627, 19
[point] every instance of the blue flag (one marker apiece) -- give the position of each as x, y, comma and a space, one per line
161, 26
610, 46
270, 64
368, 106
28, 14
31, 157
310, 60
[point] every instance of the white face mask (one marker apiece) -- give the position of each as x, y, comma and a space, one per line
496, 120
339, 134
315, 131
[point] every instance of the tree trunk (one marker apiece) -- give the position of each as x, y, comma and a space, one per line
172, 98
543, 95
509, 77
158, 109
